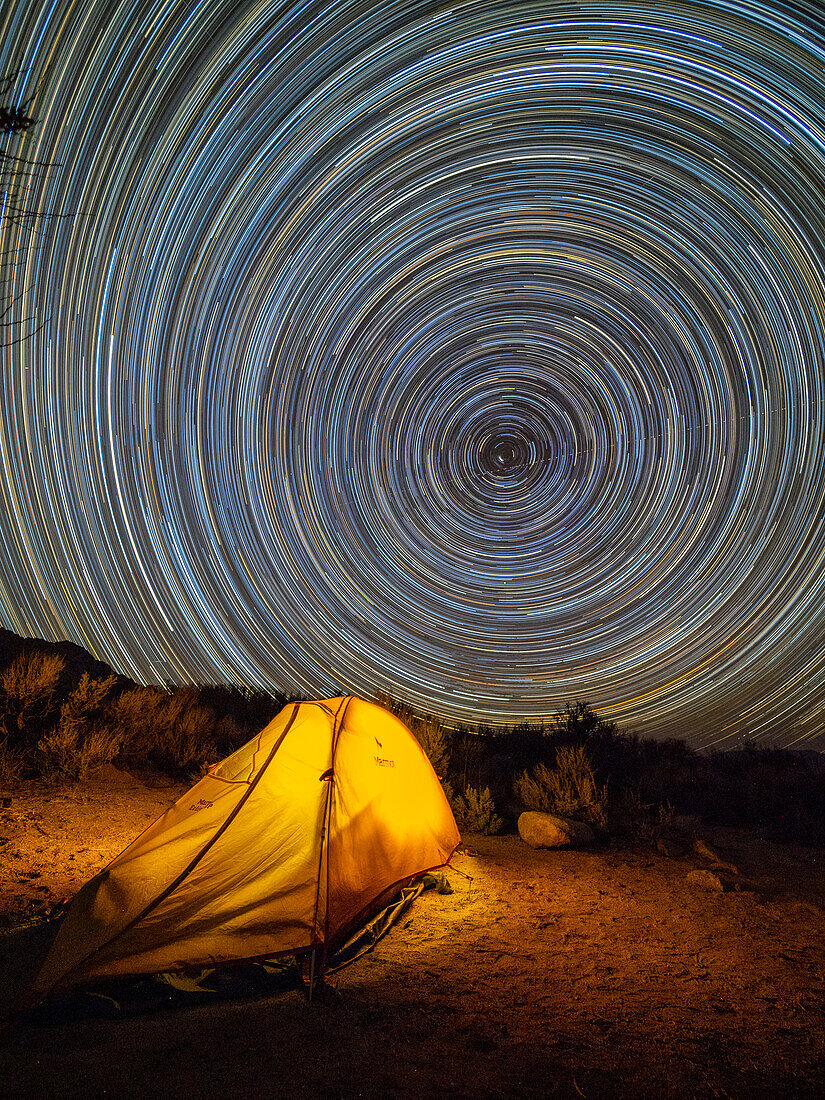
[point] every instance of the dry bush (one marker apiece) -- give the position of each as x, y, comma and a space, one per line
77, 745
473, 762
100, 746
166, 729
57, 754
249, 709
141, 716
65, 754
644, 822
229, 735
27, 692
433, 740
135, 710
476, 810
84, 703
569, 789
12, 763
191, 745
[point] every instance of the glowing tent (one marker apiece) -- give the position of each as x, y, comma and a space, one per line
285, 846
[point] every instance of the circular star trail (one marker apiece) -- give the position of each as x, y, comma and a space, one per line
470, 352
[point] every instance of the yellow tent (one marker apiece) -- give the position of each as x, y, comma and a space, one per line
285, 846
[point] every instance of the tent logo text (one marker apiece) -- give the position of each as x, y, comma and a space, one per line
383, 762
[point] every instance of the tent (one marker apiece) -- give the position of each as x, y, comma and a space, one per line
286, 846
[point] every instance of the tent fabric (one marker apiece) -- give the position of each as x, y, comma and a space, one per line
282, 847
133, 995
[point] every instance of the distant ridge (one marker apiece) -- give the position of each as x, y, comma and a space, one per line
76, 659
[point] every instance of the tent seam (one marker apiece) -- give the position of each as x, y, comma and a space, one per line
326, 821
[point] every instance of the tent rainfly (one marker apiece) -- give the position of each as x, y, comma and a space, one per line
286, 846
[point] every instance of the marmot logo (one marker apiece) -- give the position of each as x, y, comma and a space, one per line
204, 804
378, 743
383, 762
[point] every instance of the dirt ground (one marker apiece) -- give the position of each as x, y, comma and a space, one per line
601, 973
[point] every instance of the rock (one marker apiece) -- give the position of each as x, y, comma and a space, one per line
548, 831
705, 851
727, 868
706, 880
669, 849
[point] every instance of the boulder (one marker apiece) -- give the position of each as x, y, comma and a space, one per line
548, 831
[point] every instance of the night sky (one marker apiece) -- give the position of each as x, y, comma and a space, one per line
469, 352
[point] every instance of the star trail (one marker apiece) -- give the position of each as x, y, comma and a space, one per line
468, 352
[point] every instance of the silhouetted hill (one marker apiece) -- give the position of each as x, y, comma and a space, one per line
76, 659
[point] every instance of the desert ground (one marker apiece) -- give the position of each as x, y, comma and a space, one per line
546, 973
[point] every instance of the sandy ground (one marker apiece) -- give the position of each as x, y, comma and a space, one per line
591, 974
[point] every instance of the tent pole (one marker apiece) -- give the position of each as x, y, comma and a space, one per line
311, 973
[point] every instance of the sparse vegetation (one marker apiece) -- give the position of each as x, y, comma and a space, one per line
12, 763
79, 743
568, 789
169, 730
27, 695
60, 722
578, 765
183, 730
60, 726
476, 810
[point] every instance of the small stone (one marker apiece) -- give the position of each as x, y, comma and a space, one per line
704, 850
706, 880
727, 868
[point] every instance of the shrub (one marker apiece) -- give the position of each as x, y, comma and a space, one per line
569, 789
83, 706
471, 765
100, 746
57, 753
27, 689
166, 729
433, 740
249, 709
191, 744
578, 723
64, 754
12, 763
230, 736
138, 713
476, 810
77, 745
643, 822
